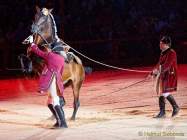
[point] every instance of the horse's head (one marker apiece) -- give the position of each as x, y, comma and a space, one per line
42, 27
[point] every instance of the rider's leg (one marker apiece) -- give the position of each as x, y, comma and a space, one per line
56, 105
63, 53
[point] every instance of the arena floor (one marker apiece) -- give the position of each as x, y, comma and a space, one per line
111, 109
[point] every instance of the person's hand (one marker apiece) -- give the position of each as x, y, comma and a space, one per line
66, 48
155, 72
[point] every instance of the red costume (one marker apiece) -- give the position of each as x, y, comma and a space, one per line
168, 76
54, 67
50, 79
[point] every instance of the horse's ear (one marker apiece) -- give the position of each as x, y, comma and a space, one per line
50, 10
37, 8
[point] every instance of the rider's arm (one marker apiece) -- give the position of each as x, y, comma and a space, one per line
37, 51
155, 70
66, 48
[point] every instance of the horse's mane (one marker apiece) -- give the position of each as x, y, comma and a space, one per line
53, 24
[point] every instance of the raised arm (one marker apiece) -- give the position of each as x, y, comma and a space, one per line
34, 48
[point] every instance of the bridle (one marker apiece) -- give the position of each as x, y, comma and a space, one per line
36, 30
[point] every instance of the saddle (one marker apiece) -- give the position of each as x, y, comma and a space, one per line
72, 57
58, 48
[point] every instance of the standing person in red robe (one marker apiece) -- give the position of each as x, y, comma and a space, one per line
50, 80
166, 70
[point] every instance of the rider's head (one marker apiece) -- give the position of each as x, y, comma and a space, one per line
165, 42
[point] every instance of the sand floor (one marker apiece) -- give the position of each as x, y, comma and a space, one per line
110, 110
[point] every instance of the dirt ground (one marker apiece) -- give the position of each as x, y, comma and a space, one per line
110, 110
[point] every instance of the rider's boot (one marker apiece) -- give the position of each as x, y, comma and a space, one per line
61, 117
51, 108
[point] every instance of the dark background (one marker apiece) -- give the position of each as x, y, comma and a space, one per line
123, 33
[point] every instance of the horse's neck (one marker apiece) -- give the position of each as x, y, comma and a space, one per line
50, 31
53, 26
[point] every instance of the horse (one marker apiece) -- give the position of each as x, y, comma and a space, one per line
45, 34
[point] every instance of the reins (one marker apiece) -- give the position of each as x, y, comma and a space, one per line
110, 66
36, 31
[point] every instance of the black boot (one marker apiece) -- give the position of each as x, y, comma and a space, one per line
61, 117
51, 108
162, 113
174, 105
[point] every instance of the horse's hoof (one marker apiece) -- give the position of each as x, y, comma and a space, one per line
51, 118
72, 118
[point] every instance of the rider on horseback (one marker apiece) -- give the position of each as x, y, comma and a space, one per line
58, 45
45, 34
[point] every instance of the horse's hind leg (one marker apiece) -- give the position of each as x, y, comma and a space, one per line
76, 88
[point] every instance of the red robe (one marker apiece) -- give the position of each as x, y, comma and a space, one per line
168, 76
54, 67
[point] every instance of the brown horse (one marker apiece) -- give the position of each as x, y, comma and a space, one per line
44, 31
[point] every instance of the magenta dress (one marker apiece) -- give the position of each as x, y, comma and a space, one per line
54, 68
